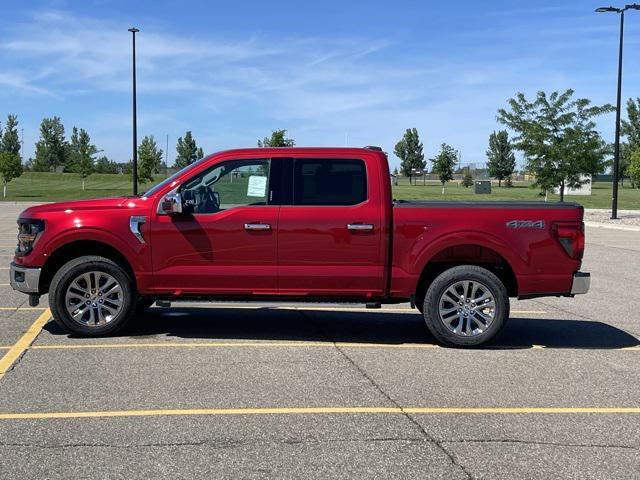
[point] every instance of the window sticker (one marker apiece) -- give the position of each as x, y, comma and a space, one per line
257, 186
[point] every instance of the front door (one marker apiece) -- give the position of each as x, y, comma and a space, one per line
330, 235
226, 242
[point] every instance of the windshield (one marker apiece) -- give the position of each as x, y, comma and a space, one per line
153, 190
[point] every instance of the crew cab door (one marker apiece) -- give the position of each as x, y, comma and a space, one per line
330, 230
225, 242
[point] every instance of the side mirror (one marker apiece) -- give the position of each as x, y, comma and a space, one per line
172, 204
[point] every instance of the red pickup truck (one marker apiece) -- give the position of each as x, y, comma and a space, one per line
296, 224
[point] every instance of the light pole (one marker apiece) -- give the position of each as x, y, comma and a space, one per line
616, 153
134, 171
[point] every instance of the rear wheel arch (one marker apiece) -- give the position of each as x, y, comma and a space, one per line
466, 254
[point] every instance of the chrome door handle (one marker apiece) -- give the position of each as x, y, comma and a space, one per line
257, 226
360, 227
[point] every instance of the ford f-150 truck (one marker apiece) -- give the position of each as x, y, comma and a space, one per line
296, 224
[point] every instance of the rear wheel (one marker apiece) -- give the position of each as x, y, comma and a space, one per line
92, 296
466, 306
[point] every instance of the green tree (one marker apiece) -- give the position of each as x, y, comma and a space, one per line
557, 136
104, 165
629, 128
10, 140
10, 168
278, 139
81, 153
149, 159
51, 149
634, 168
444, 163
501, 160
126, 168
187, 151
467, 180
409, 151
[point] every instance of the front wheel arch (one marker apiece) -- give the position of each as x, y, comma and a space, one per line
79, 248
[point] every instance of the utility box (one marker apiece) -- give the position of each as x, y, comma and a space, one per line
483, 186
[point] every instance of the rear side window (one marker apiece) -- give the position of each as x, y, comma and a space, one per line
329, 182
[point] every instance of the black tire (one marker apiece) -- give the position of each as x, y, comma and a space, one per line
70, 272
450, 278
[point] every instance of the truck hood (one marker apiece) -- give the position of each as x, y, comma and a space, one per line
83, 205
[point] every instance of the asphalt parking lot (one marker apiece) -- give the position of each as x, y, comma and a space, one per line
294, 391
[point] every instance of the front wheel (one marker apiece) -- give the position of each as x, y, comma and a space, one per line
466, 306
92, 296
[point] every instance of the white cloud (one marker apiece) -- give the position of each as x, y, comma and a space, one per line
20, 82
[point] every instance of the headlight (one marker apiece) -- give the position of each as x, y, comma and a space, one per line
29, 231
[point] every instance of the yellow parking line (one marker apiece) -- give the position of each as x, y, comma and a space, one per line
16, 351
23, 308
272, 344
80, 346
328, 410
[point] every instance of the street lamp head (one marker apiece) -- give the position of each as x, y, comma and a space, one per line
608, 9
133, 30
633, 6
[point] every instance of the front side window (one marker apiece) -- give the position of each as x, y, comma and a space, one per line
227, 185
329, 182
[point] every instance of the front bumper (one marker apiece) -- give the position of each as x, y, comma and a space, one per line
581, 283
25, 279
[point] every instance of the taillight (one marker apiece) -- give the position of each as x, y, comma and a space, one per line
29, 231
571, 237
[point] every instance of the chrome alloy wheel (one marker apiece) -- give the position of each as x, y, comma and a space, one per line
467, 308
94, 299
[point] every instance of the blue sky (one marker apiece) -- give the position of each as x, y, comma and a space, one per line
330, 72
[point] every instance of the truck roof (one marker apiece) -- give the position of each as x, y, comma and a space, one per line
294, 150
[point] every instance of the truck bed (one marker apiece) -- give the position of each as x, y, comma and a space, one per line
519, 235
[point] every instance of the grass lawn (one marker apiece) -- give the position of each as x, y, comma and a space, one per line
600, 197
48, 187
52, 187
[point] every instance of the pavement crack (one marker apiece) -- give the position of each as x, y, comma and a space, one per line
542, 443
564, 310
427, 436
206, 443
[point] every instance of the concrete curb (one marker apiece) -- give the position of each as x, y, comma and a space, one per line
628, 228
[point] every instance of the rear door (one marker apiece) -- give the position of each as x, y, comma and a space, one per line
330, 232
